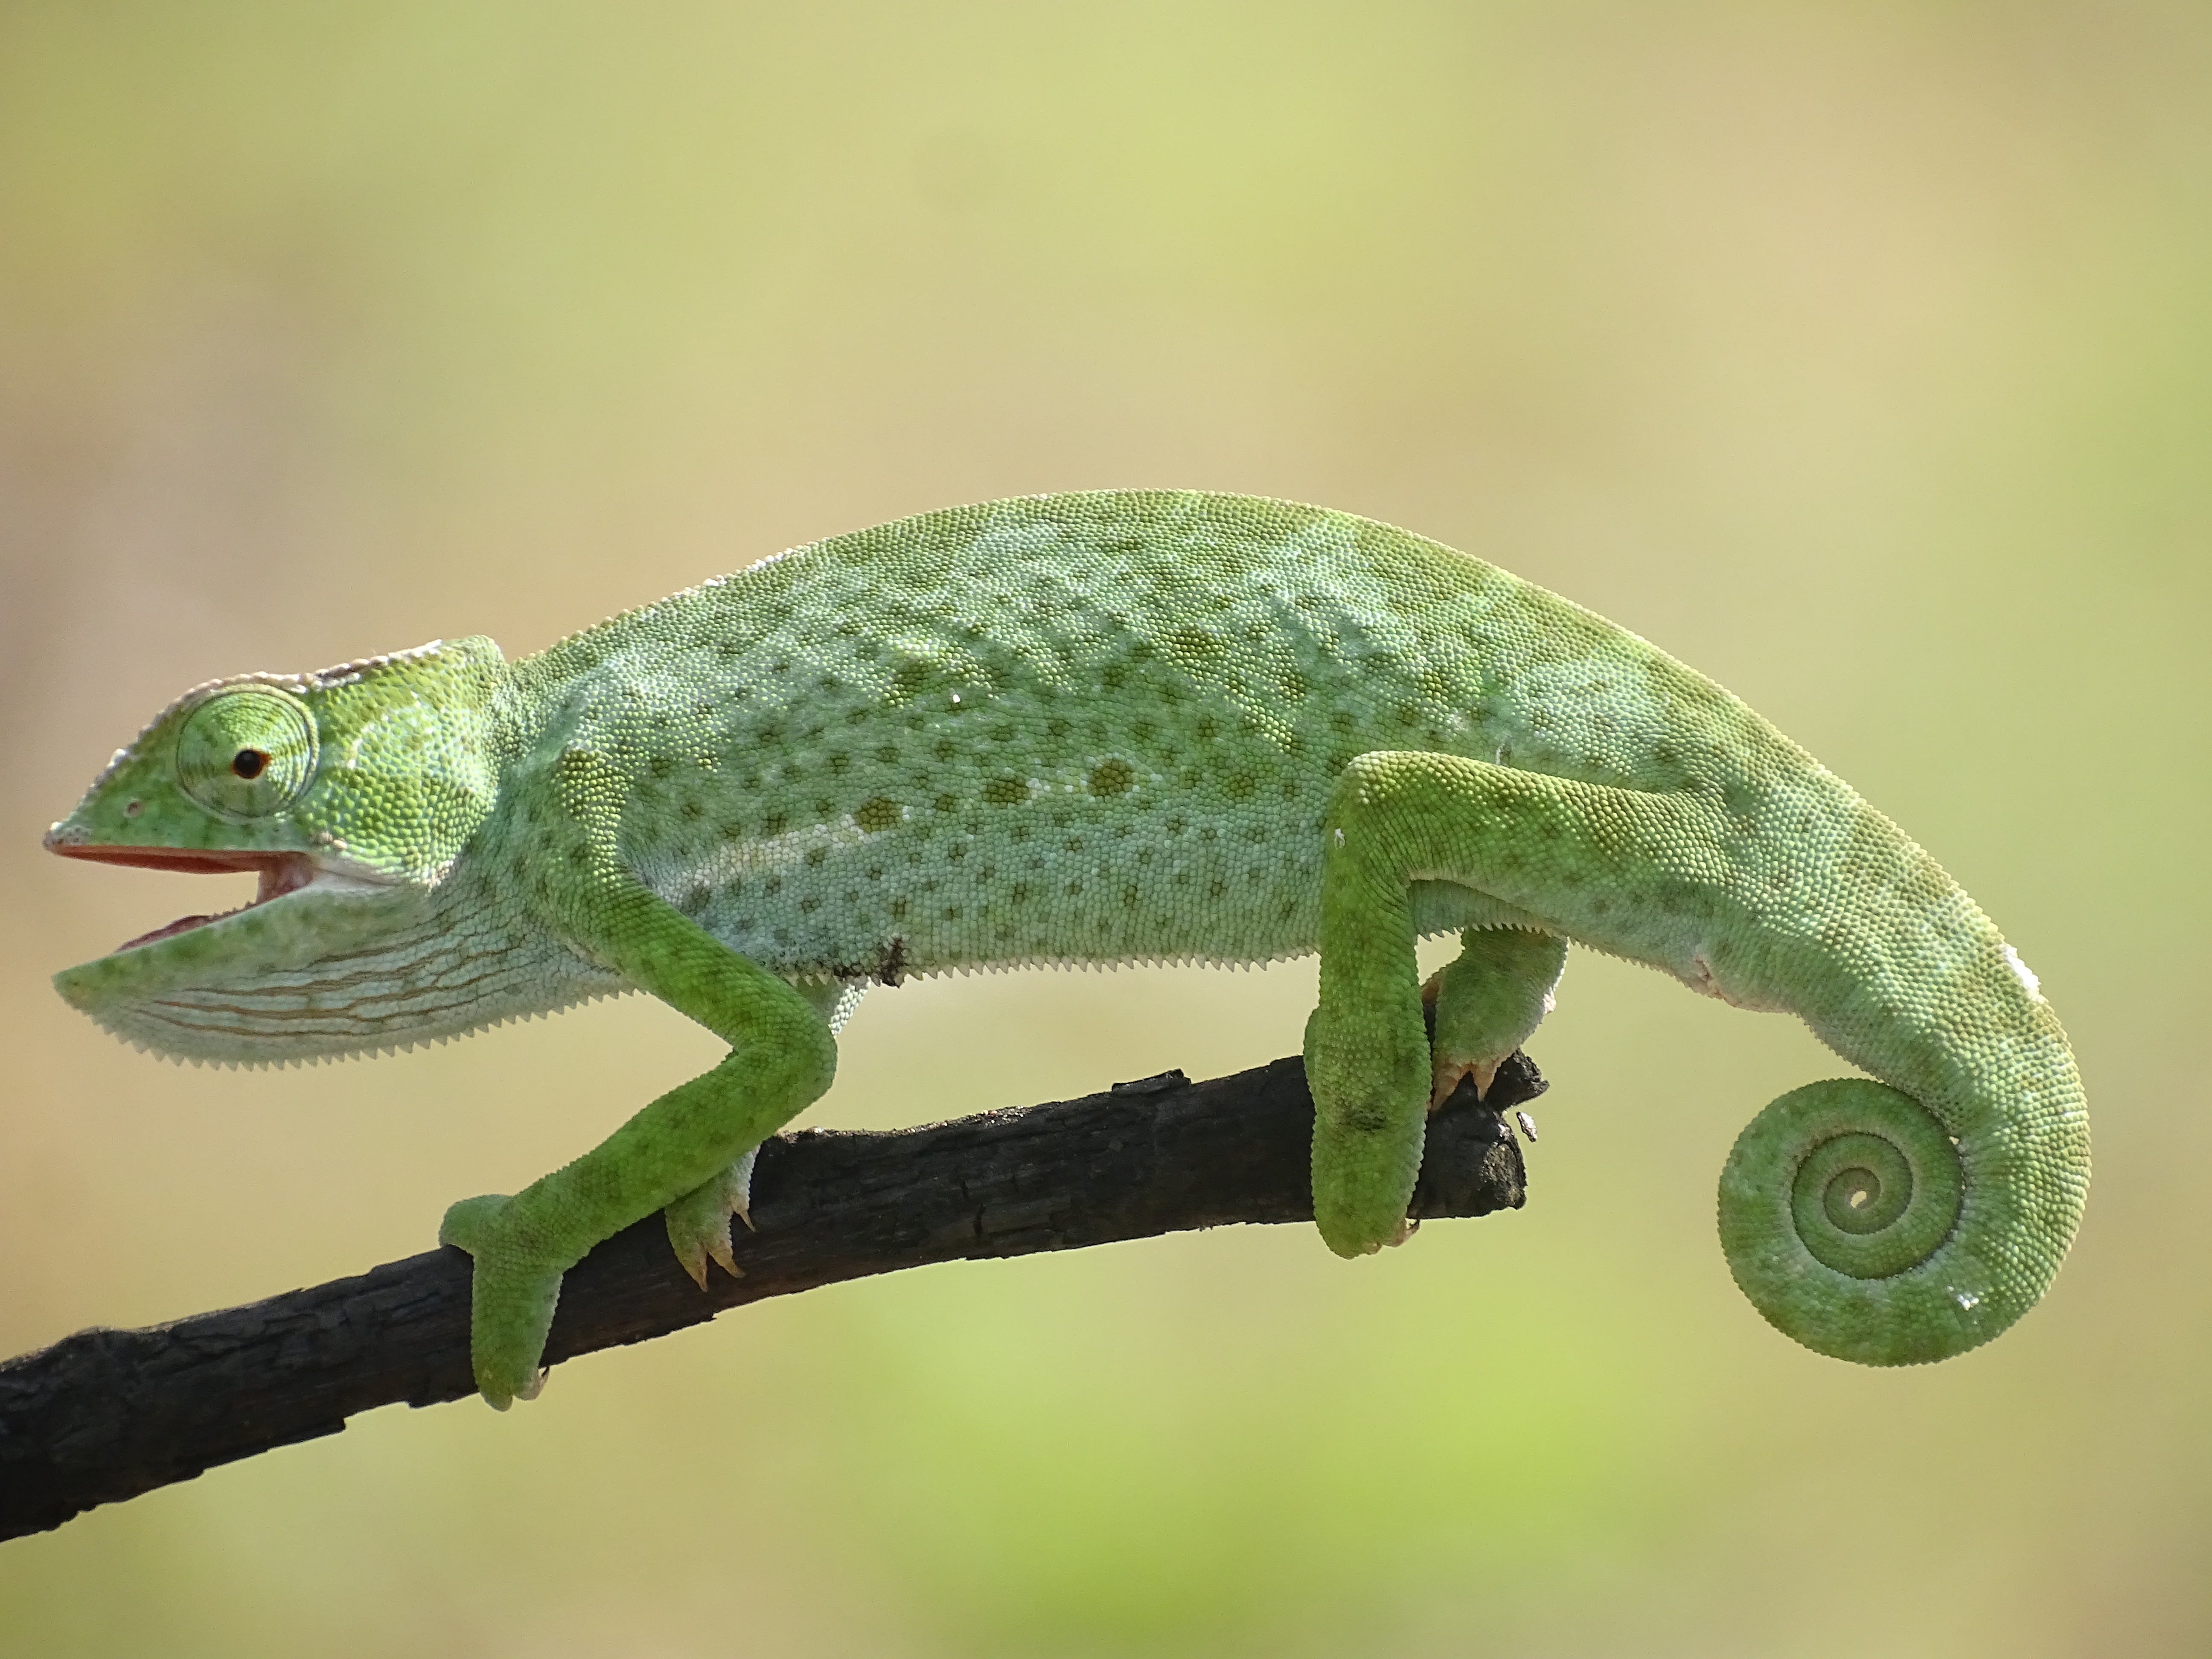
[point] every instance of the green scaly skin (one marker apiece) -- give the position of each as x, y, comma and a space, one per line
1091, 729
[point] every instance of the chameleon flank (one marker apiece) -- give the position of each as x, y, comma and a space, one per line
1090, 728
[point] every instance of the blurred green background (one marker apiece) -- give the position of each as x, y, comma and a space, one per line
1860, 354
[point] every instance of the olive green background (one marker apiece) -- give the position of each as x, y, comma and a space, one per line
1860, 354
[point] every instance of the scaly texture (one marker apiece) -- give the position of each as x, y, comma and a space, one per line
1094, 728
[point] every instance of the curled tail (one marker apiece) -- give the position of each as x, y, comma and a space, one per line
1888, 1222
1894, 1227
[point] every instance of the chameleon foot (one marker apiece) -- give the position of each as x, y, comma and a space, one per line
511, 1299
1447, 1069
699, 1222
1486, 1002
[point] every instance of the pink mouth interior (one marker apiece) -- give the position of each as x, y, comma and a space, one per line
280, 873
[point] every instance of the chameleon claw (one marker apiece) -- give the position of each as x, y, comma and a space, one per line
1449, 1073
699, 1222
693, 1261
740, 1191
699, 1239
724, 1256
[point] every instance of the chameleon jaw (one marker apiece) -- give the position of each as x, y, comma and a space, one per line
280, 874
276, 979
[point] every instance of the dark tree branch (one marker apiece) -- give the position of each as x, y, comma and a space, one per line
107, 1414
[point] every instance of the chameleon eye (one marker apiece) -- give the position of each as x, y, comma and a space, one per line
247, 753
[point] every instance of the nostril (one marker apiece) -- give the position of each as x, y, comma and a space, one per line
133, 808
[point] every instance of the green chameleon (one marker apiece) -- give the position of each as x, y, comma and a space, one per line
1082, 728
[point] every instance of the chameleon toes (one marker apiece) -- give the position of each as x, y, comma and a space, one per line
699, 1222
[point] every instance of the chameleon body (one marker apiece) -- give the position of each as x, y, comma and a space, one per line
1087, 728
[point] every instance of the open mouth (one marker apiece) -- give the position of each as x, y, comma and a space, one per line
280, 873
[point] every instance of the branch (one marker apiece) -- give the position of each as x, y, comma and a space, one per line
107, 1414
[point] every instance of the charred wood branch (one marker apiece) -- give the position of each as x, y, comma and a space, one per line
107, 1414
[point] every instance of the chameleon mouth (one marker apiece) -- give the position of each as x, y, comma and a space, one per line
280, 873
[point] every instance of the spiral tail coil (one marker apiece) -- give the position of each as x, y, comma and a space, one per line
1858, 1226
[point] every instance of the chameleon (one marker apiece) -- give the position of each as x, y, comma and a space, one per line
1090, 728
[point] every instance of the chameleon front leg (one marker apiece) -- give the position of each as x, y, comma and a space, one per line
699, 1222
1596, 863
782, 1056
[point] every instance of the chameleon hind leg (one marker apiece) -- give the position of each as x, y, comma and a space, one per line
1626, 871
1488, 1000
699, 1222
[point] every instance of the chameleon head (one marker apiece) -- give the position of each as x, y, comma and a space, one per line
349, 792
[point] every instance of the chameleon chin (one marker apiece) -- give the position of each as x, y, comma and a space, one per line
1086, 728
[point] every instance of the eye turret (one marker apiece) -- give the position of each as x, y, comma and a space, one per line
247, 753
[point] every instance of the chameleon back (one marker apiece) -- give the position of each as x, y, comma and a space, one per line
1092, 727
